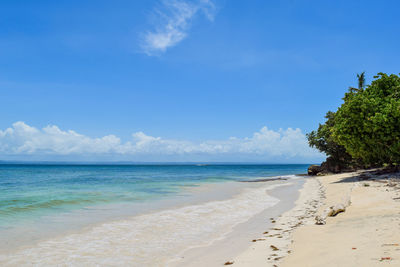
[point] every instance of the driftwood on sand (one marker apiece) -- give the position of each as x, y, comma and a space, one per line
332, 211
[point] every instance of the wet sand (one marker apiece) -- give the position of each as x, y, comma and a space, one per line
241, 237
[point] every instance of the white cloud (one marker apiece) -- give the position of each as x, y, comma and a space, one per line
22, 139
173, 21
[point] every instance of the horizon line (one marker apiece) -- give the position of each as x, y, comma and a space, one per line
33, 162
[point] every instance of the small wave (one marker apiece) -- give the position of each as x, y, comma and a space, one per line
272, 178
293, 176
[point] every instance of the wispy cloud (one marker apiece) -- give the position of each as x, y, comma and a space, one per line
172, 22
266, 144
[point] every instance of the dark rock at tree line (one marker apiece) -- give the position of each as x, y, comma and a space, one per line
314, 169
330, 166
333, 166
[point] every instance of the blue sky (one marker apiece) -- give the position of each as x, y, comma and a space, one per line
191, 73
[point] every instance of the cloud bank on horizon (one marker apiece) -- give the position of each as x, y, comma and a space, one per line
173, 20
264, 145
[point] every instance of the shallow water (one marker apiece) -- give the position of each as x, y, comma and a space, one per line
119, 215
29, 191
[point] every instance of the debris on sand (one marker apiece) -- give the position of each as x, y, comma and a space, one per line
274, 248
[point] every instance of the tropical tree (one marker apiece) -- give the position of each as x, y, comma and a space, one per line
361, 83
361, 80
367, 124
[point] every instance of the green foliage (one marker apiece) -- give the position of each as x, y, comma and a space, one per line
367, 124
365, 130
322, 140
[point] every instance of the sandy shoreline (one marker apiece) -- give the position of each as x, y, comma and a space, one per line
241, 236
366, 234
272, 246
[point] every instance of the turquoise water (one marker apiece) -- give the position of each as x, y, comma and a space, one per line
31, 190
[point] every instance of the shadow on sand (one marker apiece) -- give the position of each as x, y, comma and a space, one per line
378, 175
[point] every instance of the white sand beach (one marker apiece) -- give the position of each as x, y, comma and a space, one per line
366, 234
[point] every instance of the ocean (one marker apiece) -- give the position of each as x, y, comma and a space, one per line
129, 206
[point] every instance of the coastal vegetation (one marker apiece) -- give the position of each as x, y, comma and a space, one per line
365, 130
